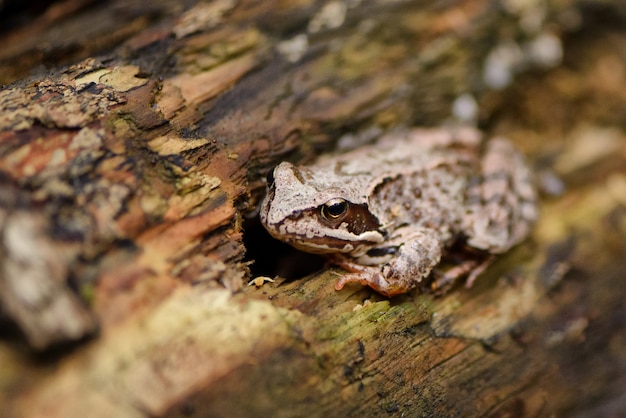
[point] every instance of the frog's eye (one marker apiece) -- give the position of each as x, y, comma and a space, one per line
334, 209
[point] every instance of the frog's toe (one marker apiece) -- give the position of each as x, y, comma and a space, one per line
387, 289
375, 281
347, 278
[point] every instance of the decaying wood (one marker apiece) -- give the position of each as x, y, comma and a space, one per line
126, 180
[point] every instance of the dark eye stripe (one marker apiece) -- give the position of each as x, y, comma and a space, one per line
359, 219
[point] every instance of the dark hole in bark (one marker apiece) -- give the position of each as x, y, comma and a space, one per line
274, 258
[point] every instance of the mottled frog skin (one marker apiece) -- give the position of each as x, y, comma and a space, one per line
388, 212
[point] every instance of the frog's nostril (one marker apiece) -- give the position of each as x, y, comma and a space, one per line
270, 177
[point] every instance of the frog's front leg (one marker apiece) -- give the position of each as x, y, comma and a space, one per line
410, 263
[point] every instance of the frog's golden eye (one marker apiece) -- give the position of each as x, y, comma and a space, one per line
334, 209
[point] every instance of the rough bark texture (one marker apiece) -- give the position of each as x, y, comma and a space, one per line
126, 180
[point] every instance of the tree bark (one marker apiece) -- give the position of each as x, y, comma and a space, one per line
128, 178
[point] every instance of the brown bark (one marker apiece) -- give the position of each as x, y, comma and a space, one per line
126, 181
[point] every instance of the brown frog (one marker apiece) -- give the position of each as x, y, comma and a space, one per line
388, 212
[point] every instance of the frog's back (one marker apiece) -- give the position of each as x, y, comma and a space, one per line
445, 180
416, 177
407, 151
429, 194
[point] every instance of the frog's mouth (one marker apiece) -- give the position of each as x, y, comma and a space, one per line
305, 231
329, 245
324, 244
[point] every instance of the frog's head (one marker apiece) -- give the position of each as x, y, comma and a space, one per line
318, 210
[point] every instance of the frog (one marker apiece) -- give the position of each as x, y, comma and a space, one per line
391, 212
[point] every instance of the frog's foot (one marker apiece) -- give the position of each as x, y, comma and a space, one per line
351, 277
374, 280
470, 269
